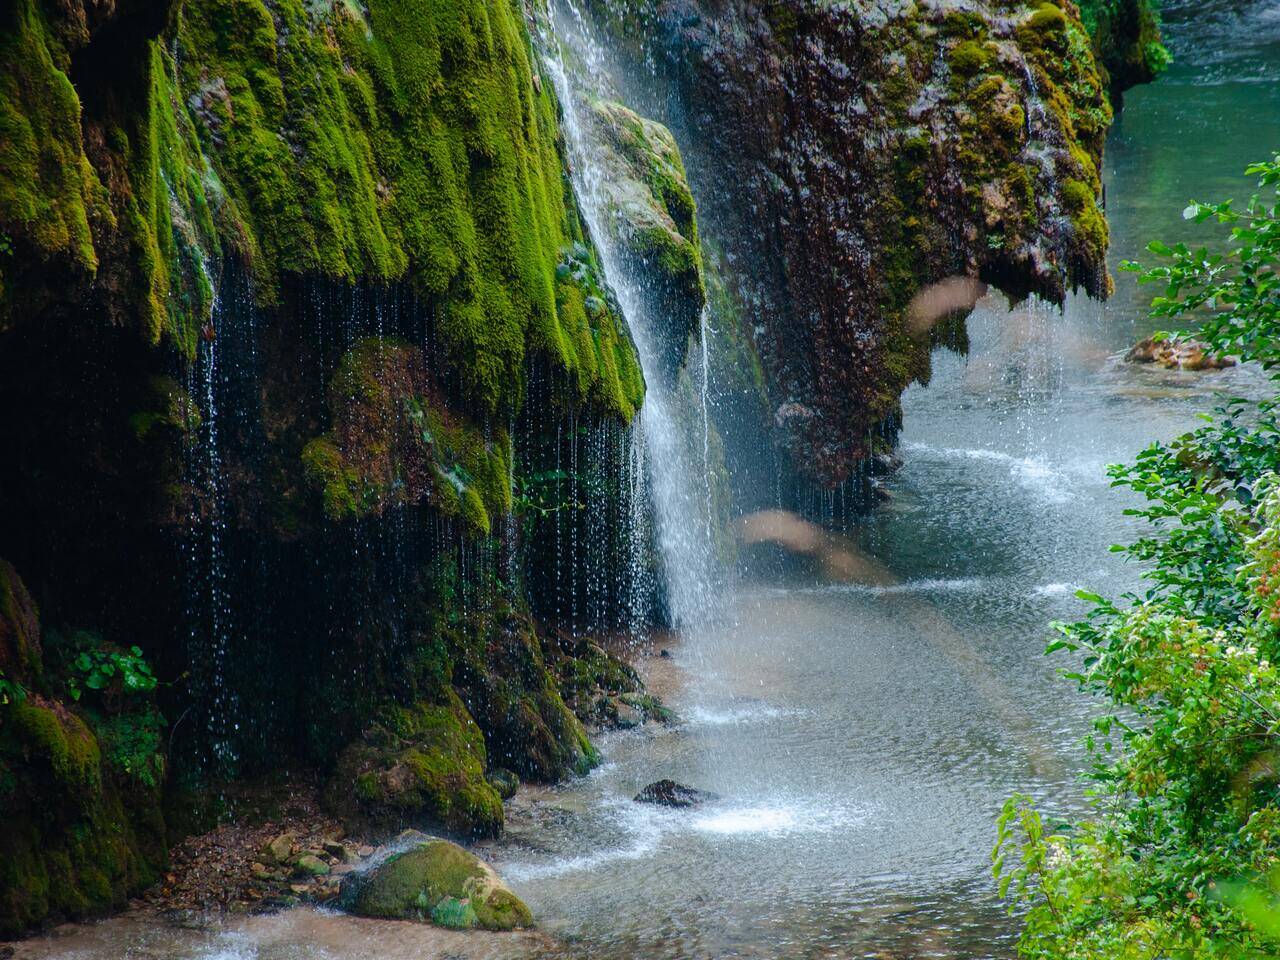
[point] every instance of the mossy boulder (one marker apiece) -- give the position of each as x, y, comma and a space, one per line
79, 838
502, 671
422, 764
437, 882
654, 220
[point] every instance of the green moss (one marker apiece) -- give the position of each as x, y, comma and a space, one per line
48, 190
339, 485
441, 882
1126, 40
62, 740
411, 143
1089, 223
423, 763
969, 58
474, 513
1048, 19
394, 441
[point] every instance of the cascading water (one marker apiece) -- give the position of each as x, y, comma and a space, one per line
678, 479
208, 597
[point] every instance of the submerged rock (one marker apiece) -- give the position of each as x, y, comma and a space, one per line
438, 882
1177, 355
668, 793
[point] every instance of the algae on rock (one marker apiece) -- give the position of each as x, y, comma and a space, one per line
440, 882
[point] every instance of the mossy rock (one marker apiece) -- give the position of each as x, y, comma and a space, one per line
422, 764
394, 440
77, 840
655, 221
440, 882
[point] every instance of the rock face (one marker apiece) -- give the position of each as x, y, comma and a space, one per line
846, 155
297, 316
439, 882
80, 807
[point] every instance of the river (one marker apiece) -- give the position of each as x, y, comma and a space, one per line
862, 738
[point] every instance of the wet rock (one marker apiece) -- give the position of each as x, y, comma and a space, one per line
626, 715
278, 850
1177, 355
422, 763
309, 865
668, 793
341, 852
504, 781
436, 881
653, 217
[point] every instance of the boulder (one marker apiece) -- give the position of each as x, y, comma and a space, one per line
422, 764
309, 865
437, 882
668, 793
277, 850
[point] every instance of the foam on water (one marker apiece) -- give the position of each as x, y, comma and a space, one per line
1031, 473
713, 716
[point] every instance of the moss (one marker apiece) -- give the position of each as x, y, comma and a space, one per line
474, 513
411, 143
339, 485
20, 652
393, 441
48, 190
75, 842
969, 58
655, 220
1126, 40
438, 880
1090, 225
1048, 19
424, 764
62, 740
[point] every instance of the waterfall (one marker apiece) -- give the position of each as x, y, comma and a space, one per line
675, 459
208, 596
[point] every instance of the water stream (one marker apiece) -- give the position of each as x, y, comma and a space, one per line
862, 737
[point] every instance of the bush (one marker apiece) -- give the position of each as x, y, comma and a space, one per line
1180, 856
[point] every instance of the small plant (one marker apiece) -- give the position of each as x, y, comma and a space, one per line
102, 669
10, 690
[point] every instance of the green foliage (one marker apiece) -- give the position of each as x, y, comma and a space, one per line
10, 690
100, 668
1180, 854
